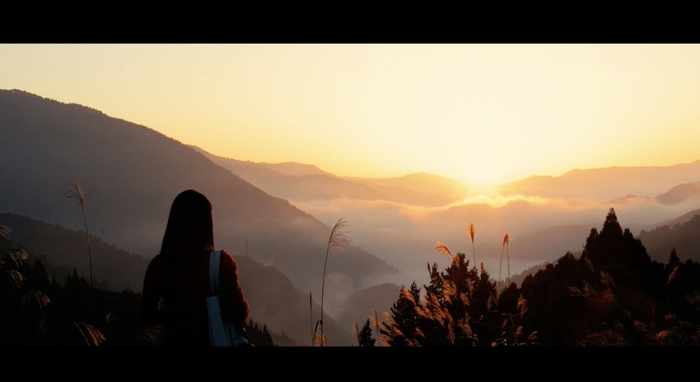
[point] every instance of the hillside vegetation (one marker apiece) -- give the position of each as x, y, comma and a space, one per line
612, 295
133, 173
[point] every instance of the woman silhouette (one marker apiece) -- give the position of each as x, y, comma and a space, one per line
177, 279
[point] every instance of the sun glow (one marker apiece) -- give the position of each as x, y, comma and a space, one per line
483, 114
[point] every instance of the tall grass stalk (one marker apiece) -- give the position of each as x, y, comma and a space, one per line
356, 331
338, 238
506, 240
311, 317
79, 196
471, 231
375, 322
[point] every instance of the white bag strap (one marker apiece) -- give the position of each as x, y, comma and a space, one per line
214, 260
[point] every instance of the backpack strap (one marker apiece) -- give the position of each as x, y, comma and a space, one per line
214, 261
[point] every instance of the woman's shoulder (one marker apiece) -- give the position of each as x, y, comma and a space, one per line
156, 262
157, 258
227, 259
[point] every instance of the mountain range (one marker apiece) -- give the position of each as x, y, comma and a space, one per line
133, 173
400, 219
302, 182
279, 215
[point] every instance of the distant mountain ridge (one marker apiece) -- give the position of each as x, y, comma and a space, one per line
296, 169
603, 184
680, 193
681, 234
678, 220
668, 185
133, 174
303, 182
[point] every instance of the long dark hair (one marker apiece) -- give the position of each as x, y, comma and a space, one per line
190, 227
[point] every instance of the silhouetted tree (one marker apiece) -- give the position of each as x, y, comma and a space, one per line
365, 336
456, 311
258, 337
402, 328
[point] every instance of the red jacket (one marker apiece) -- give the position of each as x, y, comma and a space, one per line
176, 297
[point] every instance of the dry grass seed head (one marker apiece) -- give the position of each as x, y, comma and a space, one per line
404, 293
111, 316
424, 312
151, 334
606, 279
451, 334
663, 335
319, 338
35, 297
432, 310
465, 299
339, 237
92, 336
16, 256
673, 274
5, 232
575, 292
463, 324
373, 318
533, 336
383, 340
442, 248
391, 329
640, 326
449, 291
471, 231
392, 322
470, 287
16, 278
432, 303
418, 333
522, 304
518, 333
356, 331
78, 194
491, 302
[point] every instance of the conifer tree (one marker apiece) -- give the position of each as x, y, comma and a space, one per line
403, 318
365, 336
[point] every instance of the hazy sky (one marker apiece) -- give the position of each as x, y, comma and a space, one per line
478, 113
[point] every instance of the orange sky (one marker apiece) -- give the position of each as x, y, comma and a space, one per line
478, 113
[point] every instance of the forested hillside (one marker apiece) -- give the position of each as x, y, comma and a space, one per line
131, 174
54, 251
612, 295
